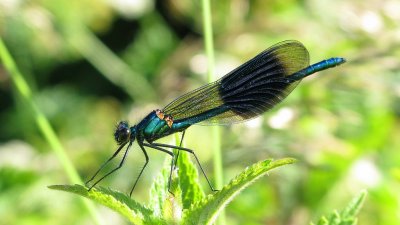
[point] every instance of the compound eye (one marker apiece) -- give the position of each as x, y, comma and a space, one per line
122, 133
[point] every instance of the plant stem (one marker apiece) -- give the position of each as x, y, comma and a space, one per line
216, 133
109, 65
22, 87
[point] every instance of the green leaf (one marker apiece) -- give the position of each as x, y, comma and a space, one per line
188, 181
159, 190
185, 188
187, 205
207, 210
164, 204
117, 201
354, 206
346, 216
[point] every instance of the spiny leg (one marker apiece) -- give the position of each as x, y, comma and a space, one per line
172, 163
191, 152
115, 169
141, 171
105, 163
180, 145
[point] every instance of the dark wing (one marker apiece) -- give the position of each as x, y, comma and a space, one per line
246, 92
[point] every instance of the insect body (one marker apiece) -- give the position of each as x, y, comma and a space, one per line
246, 92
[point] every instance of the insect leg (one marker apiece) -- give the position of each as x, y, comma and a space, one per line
112, 171
144, 166
191, 152
172, 163
180, 145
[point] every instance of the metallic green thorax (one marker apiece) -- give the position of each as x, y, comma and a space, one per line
152, 127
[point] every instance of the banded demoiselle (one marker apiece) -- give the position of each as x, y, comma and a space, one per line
245, 93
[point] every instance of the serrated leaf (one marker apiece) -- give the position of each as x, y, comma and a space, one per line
334, 218
159, 190
117, 201
355, 205
164, 204
322, 221
207, 210
346, 216
184, 186
188, 181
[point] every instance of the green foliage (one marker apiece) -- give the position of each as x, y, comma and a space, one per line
188, 181
187, 205
348, 215
206, 211
42, 123
121, 203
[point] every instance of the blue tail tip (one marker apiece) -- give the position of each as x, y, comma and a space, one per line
339, 60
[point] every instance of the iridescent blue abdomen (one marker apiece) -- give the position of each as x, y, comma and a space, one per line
323, 65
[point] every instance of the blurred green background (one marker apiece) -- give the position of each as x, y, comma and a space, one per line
92, 63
